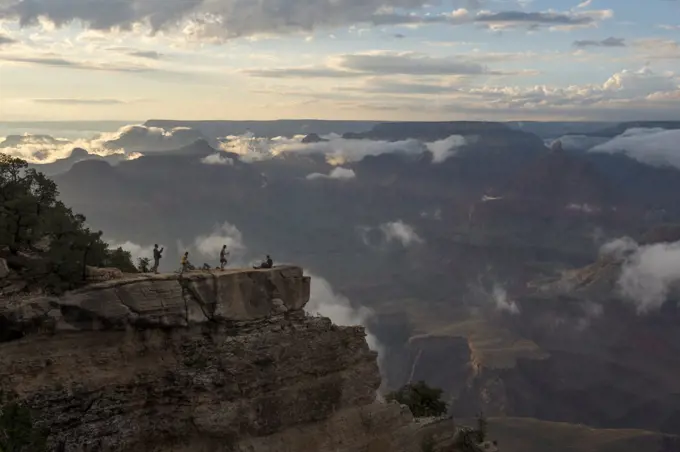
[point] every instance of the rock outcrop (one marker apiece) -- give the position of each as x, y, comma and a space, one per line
211, 361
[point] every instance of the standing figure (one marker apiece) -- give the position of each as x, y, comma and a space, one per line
224, 254
157, 254
184, 262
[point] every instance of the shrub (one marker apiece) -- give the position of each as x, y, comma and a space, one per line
422, 400
17, 432
34, 222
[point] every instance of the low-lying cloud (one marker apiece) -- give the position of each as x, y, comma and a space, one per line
648, 273
400, 232
217, 159
339, 173
209, 245
136, 250
654, 146
130, 140
325, 301
501, 300
338, 150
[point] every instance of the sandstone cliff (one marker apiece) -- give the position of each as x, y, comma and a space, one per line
212, 361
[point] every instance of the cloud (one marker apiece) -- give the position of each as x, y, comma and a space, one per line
209, 19
398, 231
57, 61
217, 159
150, 54
137, 251
74, 101
500, 298
653, 146
337, 173
209, 246
619, 248
6, 40
221, 20
337, 149
533, 20
378, 63
325, 301
443, 149
130, 140
609, 42
648, 273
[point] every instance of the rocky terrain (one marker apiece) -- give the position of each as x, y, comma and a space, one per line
211, 361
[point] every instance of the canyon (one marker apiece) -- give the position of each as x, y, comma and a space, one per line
205, 361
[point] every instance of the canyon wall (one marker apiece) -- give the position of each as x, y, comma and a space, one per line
211, 361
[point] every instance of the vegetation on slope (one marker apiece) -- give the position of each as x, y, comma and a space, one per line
421, 399
44, 241
17, 430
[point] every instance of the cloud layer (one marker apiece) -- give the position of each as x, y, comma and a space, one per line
655, 146
130, 140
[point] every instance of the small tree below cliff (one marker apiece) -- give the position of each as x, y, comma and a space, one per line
422, 400
17, 432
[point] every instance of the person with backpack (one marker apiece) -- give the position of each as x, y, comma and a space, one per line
157, 254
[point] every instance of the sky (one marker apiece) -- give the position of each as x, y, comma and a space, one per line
339, 59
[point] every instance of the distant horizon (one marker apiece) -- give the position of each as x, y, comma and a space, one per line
132, 121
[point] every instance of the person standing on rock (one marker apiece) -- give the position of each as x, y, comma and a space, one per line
224, 254
184, 262
157, 254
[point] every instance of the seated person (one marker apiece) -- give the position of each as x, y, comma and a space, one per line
268, 263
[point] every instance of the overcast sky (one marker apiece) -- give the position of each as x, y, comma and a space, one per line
339, 59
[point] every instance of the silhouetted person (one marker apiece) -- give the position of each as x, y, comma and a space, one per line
224, 254
268, 263
184, 262
157, 254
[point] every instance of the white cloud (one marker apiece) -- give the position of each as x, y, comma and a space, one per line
502, 302
337, 150
337, 173
325, 301
130, 140
619, 248
210, 19
649, 273
137, 251
217, 159
209, 246
443, 149
400, 232
654, 146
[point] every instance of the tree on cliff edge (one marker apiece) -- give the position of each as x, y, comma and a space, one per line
422, 400
44, 240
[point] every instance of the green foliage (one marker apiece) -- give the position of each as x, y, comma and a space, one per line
120, 259
422, 400
33, 221
17, 432
143, 264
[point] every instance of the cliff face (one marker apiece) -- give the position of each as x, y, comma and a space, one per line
223, 361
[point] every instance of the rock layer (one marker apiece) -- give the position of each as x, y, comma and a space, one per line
212, 361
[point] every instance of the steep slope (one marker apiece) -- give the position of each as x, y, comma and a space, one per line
210, 361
